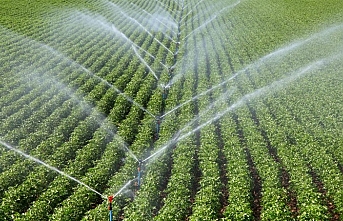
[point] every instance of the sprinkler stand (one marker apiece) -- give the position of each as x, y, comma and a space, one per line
139, 175
110, 199
171, 71
164, 93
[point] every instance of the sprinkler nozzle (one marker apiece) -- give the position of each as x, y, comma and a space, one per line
110, 198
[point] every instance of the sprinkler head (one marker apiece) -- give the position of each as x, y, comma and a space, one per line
110, 198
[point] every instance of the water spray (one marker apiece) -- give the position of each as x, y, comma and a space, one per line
152, 16
144, 62
146, 30
172, 142
175, 55
196, 5
49, 167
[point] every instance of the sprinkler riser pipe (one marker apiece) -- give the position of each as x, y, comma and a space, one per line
111, 215
110, 199
139, 179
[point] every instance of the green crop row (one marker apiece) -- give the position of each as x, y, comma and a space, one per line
177, 203
234, 168
41, 176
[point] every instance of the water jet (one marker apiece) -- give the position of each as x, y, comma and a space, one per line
49, 167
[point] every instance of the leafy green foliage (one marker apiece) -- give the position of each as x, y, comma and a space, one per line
58, 60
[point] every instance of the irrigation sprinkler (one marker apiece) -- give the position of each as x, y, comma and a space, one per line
165, 90
110, 199
139, 175
171, 69
175, 56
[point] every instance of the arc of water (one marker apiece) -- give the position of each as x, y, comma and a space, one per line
195, 98
160, 151
257, 93
78, 99
137, 46
129, 151
129, 99
119, 92
182, 3
174, 140
146, 30
62, 86
280, 52
176, 77
187, 22
102, 118
106, 82
124, 187
140, 25
161, 22
211, 19
195, 6
299, 43
164, 6
204, 113
201, 26
211, 8
290, 47
49, 167
138, 105
177, 2
144, 62
276, 85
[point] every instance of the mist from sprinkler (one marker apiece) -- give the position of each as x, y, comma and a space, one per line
273, 87
8, 146
145, 63
146, 30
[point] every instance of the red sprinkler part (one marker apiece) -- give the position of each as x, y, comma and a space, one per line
110, 198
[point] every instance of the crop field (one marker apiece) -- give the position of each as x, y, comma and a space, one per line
176, 109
